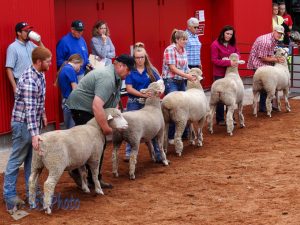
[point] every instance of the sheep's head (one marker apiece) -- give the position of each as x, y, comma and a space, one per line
235, 58
155, 88
282, 52
198, 74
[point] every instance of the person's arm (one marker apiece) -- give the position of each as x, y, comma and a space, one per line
11, 79
133, 91
179, 72
112, 52
73, 85
100, 116
273, 59
215, 57
60, 54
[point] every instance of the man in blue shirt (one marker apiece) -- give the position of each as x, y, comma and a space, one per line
73, 43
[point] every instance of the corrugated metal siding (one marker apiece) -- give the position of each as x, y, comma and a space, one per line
39, 14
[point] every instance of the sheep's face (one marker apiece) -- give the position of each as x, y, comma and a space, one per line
282, 52
156, 88
197, 73
115, 119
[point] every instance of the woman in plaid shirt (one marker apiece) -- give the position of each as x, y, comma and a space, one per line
175, 68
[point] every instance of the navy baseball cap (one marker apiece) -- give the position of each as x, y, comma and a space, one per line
22, 26
127, 60
77, 25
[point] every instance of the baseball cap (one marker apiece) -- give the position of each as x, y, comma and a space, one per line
22, 26
77, 25
279, 29
127, 60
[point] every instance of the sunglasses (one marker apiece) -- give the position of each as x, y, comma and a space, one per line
196, 27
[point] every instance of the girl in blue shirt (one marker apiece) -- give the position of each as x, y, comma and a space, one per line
140, 78
67, 81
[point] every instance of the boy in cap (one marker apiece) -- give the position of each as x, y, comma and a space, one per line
18, 55
262, 53
98, 90
73, 43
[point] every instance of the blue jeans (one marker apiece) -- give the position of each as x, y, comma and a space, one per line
68, 119
21, 152
172, 85
220, 107
133, 104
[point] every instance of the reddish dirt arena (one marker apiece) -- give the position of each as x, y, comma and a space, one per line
249, 178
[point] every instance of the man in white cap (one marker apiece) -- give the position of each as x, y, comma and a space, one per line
193, 46
262, 53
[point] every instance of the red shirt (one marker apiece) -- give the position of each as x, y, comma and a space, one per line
287, 19
219, 51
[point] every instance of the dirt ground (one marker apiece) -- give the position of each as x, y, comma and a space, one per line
250, 178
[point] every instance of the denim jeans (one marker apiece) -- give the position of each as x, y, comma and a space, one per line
133, 104
172, 85
68, 119
21, 152
220, 106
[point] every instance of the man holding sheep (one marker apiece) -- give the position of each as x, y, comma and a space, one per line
98, 90
262, 53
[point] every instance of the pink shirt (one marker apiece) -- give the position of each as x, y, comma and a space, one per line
219, 51
263, 46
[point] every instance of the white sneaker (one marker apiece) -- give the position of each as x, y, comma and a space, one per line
171, 141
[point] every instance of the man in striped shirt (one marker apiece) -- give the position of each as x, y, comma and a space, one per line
26, 122
18, 56
262, 53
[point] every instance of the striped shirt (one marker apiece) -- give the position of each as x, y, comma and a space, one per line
18, 56
263, 46
193, 48
173, 57
30, 100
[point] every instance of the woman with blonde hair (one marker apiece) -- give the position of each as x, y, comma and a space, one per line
139, 78
101, 43
67, 81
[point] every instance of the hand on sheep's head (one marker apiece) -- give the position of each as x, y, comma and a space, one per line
197, 73
155, 88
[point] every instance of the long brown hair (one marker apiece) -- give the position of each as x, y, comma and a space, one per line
98, 24
75, 58
140, 47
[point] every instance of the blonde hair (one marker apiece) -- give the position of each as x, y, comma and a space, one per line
177, 34
75, 58
98, 24
140, 47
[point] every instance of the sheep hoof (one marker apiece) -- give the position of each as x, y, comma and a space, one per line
99, 191
230, 133
165, 162
86, 189
200, 144
242, 125
132, 177
179, 154
288, 110
32, 205
47, 210
116, 174
192, 142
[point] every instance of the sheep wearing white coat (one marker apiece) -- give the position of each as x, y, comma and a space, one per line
272, 79
185, 107
62, 150
230, 91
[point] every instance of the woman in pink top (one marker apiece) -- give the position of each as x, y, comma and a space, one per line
220, 48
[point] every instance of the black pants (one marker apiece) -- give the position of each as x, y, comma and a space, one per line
80, 118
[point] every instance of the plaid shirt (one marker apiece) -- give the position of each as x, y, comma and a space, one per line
173, 57
30, 100
193, 47
263, 46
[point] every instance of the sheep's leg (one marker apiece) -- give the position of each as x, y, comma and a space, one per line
49, 187
133, 159
160, 140
151, 150
210, 118
270, 96
166, 132
199, 132
241, 116
192, 134
83, 176
255, 101
286, 99
278, 101
36, 169
229, 119
94, 167
179, 129
115, 160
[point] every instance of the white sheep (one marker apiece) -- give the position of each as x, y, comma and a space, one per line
272, 79
143, 125
62, 150
185, 107
230, 91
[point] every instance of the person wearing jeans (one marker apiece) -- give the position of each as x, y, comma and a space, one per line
27, 118
139, 78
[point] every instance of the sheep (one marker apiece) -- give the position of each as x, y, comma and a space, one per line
70, 149
185, 107
143, 125
272, 79
230, 91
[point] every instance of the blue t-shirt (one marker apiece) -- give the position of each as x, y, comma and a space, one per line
139, 81
67, 76
68, 46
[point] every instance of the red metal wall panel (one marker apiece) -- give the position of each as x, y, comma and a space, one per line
39, 14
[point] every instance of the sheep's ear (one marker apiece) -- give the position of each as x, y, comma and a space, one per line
109, 117
200, 78
241, 62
